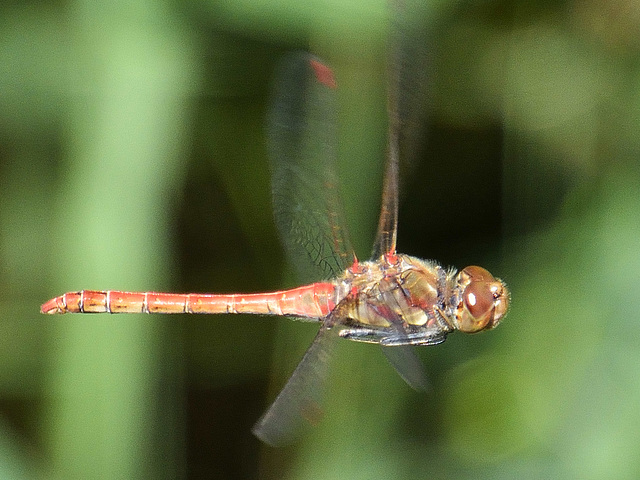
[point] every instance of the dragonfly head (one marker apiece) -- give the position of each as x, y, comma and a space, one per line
483, 300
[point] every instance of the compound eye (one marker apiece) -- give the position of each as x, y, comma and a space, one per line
478, 302
484, 301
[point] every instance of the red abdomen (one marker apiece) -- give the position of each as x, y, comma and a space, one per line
311, 301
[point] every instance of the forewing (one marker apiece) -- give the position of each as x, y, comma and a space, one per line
411, 58
386, 236
300, 401
302, 148
407, 74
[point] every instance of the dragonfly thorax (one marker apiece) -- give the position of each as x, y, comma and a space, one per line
394, 300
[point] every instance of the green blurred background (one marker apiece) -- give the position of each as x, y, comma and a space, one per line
132, 156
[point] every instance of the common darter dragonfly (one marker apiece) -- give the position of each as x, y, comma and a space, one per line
393, 299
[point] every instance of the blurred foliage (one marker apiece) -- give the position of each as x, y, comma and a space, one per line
132, 156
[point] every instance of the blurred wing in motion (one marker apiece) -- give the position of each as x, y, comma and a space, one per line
302, 148
410, 57
407, 99
408, 365
300, 400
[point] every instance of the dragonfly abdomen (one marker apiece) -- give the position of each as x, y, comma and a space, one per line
312, 301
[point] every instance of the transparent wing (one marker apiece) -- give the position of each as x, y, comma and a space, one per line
408, 365
388, 222
396, 347
302, 147
407, 63
300, 401
410, 57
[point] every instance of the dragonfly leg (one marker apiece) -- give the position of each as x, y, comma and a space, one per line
387, 339
366, 335
421, 338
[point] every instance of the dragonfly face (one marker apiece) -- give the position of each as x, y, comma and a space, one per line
482, 300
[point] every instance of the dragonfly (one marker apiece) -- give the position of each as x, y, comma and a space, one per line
394, 300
